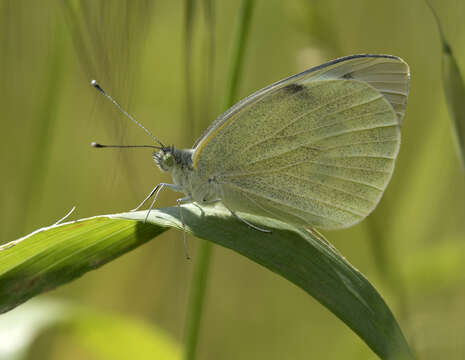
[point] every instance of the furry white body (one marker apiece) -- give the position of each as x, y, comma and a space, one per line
186, 179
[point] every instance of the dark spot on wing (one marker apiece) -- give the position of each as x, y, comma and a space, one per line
348, 76
294, 88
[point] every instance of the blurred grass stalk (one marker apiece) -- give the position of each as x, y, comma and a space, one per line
205, 251
454, 88
189, 18
455, 94
40, 154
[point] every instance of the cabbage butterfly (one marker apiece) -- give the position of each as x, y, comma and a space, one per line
316, 149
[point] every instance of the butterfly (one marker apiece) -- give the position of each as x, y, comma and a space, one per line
316, 149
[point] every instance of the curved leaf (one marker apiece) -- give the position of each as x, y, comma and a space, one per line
59, 254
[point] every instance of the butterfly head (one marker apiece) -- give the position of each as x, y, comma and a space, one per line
164, 158
169, 158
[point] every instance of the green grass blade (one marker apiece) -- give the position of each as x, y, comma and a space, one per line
197, 299
455, 93
238, 52
46, 117
454, 88
60, 254
189, 21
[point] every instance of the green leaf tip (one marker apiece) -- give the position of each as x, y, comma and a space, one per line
55, 255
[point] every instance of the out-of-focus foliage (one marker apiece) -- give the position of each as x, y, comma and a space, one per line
102, 335
50, 114
454, 87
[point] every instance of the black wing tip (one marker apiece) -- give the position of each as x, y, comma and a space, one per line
341, 60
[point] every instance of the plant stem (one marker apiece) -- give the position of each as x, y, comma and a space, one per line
197, 298
43, 139
189, 18
202, 265
238, 51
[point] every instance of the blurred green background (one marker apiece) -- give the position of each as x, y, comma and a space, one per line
411, 248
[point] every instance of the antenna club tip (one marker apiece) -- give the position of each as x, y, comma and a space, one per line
96, 85
96, 145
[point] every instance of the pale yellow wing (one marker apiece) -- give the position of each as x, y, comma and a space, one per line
317, 148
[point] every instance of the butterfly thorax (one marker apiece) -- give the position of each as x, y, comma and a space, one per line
179, 163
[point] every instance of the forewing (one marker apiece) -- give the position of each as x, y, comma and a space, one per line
317, 149
386, 73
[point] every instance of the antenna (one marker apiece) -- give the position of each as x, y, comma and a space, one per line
97, 86
98, 145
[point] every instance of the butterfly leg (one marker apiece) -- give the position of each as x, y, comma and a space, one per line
147, 197
179, 201
205, 203
155, 190
246, 222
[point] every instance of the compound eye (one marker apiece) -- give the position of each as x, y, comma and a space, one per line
168, 160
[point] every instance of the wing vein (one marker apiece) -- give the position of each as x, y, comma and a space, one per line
281, 204
275, 90
335, 123
309, 144
361, 157
349, 180
225, 175
328, 186
361, 143
274, 215
309, 173
349, 167
281, 208
293, 121
350, 211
